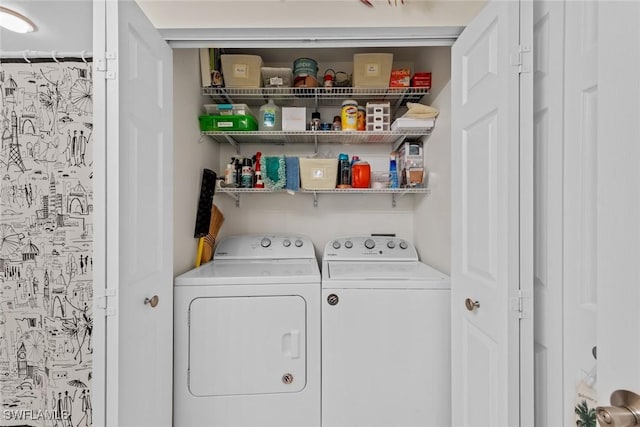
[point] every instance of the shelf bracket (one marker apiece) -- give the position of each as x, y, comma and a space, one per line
234, 196
233, 143
315, 143
315, 199
393, 200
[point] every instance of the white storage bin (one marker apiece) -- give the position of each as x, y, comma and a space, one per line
242, 71
294, 118
372, 69
318, 174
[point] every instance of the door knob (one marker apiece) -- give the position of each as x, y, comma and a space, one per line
153, 301
471, 304
624, 410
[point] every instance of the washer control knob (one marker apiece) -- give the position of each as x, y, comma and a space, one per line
336, 245
391, 244
265, 242
348, 244
403, 245
298, 243
286, 243
369, 244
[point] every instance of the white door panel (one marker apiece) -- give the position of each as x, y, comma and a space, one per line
548, 72
490, 238
580, 183
139, 219
618, 199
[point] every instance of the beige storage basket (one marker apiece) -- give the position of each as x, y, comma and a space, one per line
372, 70
318, 174
242, 71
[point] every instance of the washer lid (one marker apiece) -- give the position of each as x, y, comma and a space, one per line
388, 275
252, 272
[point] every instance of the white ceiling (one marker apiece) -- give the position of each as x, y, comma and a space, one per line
63, 25
66, 25
308, 13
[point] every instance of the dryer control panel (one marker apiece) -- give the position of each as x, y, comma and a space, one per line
265, 246
379, 248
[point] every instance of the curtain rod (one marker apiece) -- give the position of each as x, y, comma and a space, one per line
40, 56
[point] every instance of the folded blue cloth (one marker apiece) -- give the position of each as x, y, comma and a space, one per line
293, 173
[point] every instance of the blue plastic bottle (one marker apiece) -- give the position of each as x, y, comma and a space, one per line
393, 171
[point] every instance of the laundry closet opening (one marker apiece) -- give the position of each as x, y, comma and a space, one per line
422, 217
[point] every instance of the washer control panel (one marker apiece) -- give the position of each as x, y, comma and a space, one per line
370, 247
265, 246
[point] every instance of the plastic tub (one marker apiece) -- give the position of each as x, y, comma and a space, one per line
228, 110
210, 123
242, 71
372, 69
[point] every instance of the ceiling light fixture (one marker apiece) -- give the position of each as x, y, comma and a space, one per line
12, 20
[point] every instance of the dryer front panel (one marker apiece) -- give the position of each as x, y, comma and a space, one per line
247, 345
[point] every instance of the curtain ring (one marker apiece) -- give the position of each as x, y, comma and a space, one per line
53, 55
82, 56
24, 55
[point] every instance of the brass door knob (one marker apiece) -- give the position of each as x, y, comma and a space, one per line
153, 301
624, 410
471, 304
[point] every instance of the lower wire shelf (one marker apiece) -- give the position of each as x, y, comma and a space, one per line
235, 192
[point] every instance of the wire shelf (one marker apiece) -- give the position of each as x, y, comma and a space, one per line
311, 137
315, 96
235, 192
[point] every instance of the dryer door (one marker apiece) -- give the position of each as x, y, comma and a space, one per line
247, 345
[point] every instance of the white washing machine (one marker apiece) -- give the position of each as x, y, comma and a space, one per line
247, 336
385, 336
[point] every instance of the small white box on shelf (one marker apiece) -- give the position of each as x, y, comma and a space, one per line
378, 116
294, 118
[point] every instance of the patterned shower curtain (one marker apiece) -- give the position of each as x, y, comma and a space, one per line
46, 239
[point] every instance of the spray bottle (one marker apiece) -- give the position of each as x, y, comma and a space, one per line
258, 173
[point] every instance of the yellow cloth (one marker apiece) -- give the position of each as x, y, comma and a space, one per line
420, 111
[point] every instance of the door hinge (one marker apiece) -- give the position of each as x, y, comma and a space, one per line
521, 304
107, 65
517, 59
104, 303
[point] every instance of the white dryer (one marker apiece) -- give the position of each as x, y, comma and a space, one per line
385, 336
247, 336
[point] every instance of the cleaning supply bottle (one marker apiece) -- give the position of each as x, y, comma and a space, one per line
270, 117
247, 173
230, 174
393, 171
258, 173
344, 171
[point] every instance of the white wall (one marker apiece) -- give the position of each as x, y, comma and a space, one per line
307, 13
191, 155
61, 25
432, 218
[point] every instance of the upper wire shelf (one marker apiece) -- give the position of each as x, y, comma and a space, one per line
319, 96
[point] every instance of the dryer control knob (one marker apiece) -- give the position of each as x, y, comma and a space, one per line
369, 244
391, 244
298, 243
403, 245
265, 243
286, 243
348, 244
336, 245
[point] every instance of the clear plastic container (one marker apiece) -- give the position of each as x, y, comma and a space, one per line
270, 117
